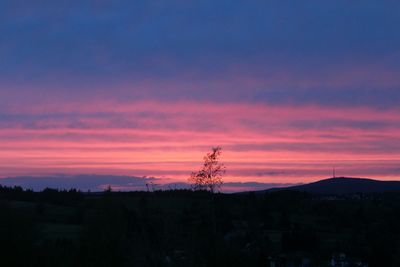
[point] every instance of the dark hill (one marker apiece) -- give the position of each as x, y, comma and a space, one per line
344, 185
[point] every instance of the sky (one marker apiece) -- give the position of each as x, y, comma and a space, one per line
288, 89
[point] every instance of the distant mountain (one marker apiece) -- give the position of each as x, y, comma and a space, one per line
344, 185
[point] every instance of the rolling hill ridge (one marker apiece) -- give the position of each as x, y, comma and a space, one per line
344, 185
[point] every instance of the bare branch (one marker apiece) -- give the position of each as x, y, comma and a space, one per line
210, 176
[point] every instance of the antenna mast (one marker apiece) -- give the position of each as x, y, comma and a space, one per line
334, 172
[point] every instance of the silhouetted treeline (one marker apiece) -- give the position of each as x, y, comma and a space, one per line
185, 228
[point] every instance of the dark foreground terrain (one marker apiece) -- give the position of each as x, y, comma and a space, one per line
185, 228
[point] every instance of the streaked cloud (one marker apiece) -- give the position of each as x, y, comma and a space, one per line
166, 139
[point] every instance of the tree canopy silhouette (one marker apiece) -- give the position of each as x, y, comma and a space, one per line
210, 176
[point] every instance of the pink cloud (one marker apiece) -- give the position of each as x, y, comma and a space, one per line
169, 139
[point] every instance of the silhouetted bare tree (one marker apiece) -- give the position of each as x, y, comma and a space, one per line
210, 176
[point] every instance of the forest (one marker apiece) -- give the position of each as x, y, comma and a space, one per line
197, 228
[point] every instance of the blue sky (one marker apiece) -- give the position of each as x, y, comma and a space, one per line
58, 46
87, 87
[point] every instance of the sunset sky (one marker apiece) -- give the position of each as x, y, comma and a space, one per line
288, 89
